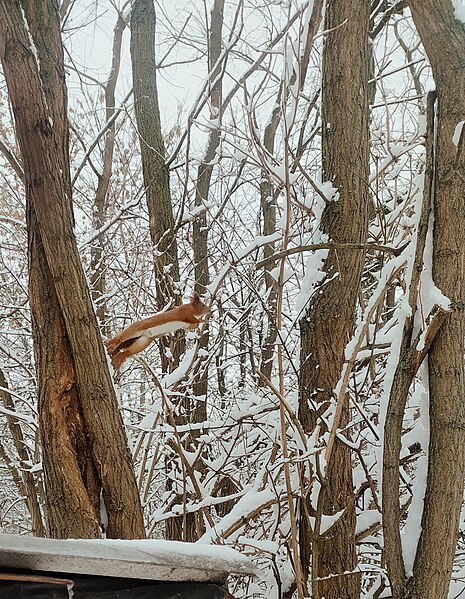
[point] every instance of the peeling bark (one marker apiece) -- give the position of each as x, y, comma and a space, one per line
83, 438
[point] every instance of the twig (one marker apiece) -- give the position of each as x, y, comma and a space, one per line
376, 247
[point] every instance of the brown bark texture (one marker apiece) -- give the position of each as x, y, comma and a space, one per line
85, 449
191, 526
268, 207
328, 323
204, 175
155, 170
159, 203
409, 361
443, 38
100, 208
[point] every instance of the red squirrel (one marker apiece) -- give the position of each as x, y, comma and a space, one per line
140, 334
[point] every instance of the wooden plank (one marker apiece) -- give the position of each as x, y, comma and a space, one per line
145, 559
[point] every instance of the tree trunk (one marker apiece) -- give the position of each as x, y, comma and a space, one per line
155, 170
204, 175
84, 444
268, 207
409, 361
191, 526
328, 323
443, 38
161, 219
100, 208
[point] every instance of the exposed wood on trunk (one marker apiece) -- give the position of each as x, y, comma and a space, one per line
327, 326
72, 484
73, 377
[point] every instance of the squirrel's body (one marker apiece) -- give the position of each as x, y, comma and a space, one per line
137, 336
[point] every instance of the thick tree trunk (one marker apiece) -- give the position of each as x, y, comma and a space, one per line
155, 170
443, 38
84, 443
71, 482
161, 219
328, 323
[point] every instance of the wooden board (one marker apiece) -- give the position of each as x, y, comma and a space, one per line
150, 559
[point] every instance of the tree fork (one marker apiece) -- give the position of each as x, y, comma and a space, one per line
39, 103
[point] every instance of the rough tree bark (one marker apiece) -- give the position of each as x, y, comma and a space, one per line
161, 219
443, 38
85, 449
204, 175
97, 255
327, 326
155, 170
410, 360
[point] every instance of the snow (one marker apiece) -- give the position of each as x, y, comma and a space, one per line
314, 273
396, 150
288, 273
241, 427
459, 8
191, 214
430, 294
103, 512
32, 45
245, 506
268, 546
328, 521
20, 417
366, 519
384, 276
36, 467
421, 124
412, 529
327, 189
259, 241
179, 372
458, 130
149, 559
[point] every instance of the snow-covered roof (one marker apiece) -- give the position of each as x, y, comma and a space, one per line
145, 559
